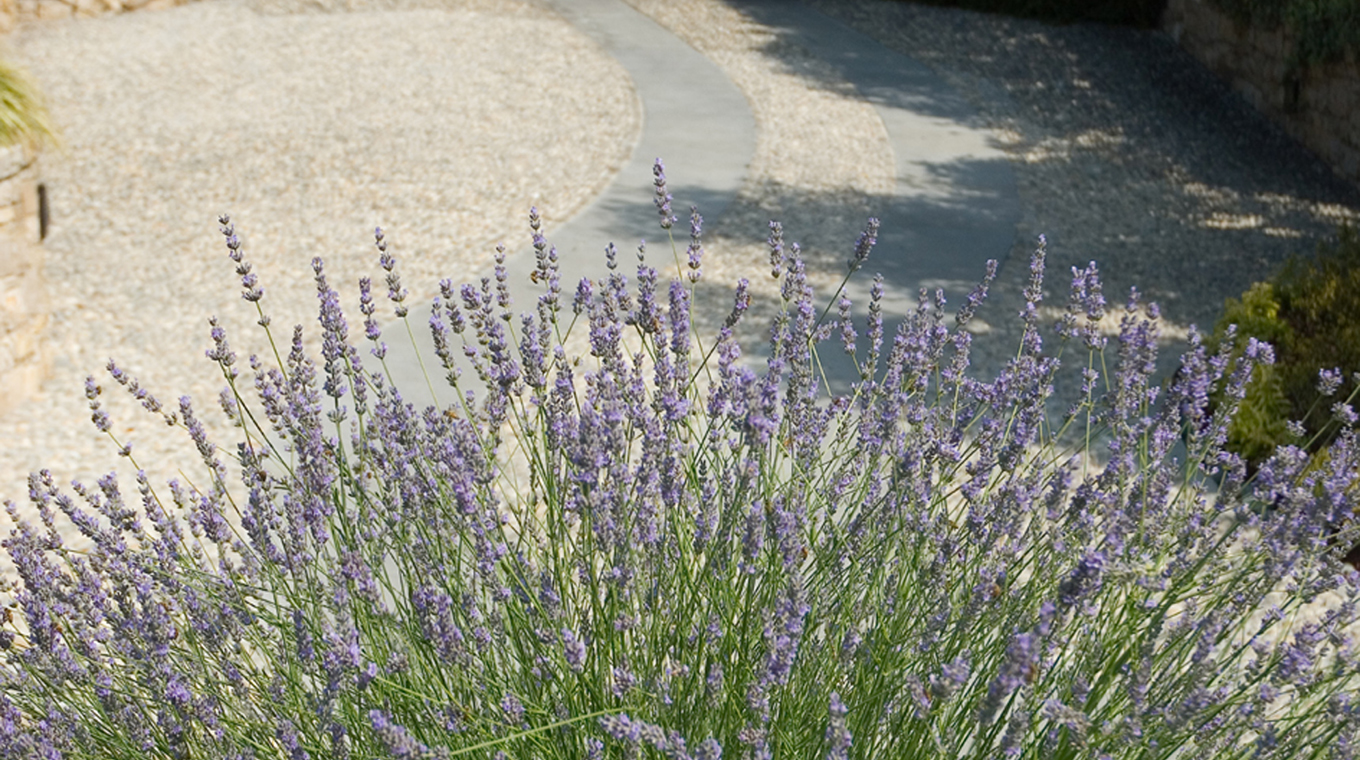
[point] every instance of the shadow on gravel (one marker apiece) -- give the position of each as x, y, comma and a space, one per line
1126, 150
895, 81
825, 226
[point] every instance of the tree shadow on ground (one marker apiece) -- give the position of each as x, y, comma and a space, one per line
1126, 150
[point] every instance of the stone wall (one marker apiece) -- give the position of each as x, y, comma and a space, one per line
24, 308
24, 359
1319, 106
14, 11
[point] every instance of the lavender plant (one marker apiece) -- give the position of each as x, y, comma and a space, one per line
656, 550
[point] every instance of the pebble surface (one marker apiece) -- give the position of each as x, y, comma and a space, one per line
1128, 153
443, 120
311, 124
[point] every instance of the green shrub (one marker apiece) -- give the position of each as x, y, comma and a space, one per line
1260, 424
661, 548
1324, 29
1139, 13
1310, 313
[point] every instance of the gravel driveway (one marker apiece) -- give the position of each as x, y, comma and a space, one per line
1127, 153
442, 121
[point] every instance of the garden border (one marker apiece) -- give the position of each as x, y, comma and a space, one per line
1317, 105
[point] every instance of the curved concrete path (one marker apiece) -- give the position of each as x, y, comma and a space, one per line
954, 208
956, 204
693, 117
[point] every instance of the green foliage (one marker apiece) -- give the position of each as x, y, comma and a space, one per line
1264, 13
1310, 313
1324, 29
23, 116
1320, 299
1140, 13
1260, 424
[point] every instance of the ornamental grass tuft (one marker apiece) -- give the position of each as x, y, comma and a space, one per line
24, 119
660, 548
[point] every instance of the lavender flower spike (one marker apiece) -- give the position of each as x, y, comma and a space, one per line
864, 245
837, 735
395, 292
663, 199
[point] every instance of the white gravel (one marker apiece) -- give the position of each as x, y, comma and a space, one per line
821, 165
312, 122
1126, 152
440, 121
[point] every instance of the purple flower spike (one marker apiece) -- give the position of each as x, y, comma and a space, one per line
252, 291
695, 252
395, 738
837, 734
776, 243
864, 245
663, 199
1329, 381
98, 416
1020, 668
395, 292
1083, 581
574, 649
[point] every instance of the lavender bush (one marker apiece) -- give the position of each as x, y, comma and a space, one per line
654, 550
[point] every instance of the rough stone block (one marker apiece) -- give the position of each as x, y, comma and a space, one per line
12, 190
13, 160
1345, 98
25, 343
1251, 92
1254, 61
1334, 146
1273, 70
24, 310
13, 303
1274, 46
19, 383
54, 9
28, 205
1349, 165
13, 263
18, 261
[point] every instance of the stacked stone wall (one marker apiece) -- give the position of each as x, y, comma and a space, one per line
1318, 105
24, 309
12, 12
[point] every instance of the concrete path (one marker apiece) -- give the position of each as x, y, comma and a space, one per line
693, 117
955, 205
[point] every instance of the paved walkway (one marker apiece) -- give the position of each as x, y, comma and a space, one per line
954, 208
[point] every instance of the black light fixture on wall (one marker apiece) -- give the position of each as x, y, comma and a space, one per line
42, 212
